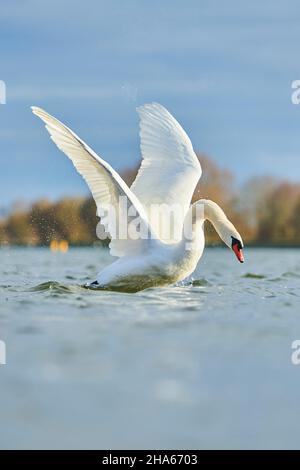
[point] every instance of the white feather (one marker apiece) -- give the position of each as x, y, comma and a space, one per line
170, 169
104, 182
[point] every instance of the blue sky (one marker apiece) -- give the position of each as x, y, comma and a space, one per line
224, 69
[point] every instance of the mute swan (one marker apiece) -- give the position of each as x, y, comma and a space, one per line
168, 175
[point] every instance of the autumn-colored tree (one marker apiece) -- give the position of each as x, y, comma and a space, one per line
276, 222
218, 185
294, 222
88, 216
18, 229
129, 174
43, 222
264, 210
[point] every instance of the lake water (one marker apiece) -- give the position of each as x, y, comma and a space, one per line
190, 366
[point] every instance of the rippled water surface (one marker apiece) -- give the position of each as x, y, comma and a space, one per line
202, 365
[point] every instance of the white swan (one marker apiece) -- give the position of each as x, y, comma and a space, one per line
168, 175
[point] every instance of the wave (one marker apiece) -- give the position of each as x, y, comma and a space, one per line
53, 286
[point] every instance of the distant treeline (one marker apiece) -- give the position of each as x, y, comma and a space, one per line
265, 211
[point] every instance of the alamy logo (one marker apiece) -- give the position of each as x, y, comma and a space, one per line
2, 353
295, 97
2, 92
168, 222
295, 357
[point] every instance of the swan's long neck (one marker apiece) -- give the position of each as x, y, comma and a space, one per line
201, 211
189, 250
215, 215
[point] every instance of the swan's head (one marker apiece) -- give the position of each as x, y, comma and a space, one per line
231, 238
226, 230
237, 247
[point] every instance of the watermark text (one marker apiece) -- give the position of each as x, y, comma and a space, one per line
2, 352
295, 97
295, 357
2, 92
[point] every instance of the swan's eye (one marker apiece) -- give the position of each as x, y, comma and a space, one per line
238, 249
237, 242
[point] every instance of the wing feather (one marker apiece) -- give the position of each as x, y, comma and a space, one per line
170, 169
104, 182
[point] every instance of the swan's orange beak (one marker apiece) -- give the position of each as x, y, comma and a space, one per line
238, 252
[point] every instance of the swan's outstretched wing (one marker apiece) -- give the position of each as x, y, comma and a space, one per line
105, 184
170, 169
